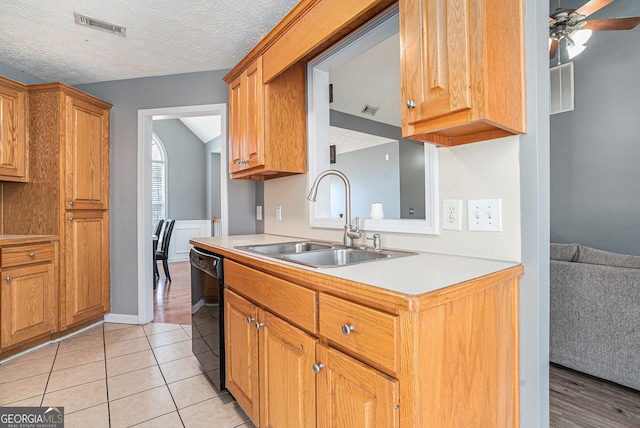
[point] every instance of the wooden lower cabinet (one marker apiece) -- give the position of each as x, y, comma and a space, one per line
271, 371
352, 394
86, 267
28, 293
241, 347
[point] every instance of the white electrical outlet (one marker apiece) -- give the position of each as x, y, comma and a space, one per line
279, 212
485, 215
258, 212
452, 214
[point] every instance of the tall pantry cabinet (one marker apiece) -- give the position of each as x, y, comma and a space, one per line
68, 194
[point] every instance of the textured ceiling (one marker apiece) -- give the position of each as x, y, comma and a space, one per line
163, 37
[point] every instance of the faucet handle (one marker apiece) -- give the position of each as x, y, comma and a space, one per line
357, 223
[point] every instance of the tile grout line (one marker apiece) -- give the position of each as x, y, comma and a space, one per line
163, 378
106, 375
44, 393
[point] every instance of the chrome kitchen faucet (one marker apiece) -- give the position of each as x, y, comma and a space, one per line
349, 233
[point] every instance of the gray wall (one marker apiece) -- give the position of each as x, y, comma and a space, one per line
412, 186
596, 147
372, 179
411, 163
19, 75
186, 170
127, 97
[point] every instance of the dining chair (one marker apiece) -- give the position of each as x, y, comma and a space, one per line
163, 252
155, 248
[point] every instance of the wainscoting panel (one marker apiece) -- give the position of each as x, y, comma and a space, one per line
184, 230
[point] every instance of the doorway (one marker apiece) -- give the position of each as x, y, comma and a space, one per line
145, 133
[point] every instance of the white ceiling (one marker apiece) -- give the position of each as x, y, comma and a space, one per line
163, 37
206, 128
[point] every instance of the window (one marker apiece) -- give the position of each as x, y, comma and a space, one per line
158, 181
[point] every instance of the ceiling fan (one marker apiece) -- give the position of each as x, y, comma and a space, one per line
574, 26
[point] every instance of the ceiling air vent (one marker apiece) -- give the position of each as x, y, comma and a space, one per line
100, 25
370, 110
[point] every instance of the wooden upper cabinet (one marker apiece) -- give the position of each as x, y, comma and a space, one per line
267, 123
462, 70
14, 148
246, 97
87, 155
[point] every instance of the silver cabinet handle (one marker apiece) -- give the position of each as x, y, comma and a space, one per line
411, 103
257, 325
250, 320
347, 329
71, 219
8, 279
317, 367
32, 255
71, 203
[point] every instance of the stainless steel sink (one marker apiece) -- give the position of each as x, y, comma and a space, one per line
322, 254
287, 247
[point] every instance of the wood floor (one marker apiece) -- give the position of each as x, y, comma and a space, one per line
172, 300
576, 400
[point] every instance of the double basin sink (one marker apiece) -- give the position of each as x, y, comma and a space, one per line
322, 254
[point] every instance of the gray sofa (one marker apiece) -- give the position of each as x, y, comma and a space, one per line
595, 312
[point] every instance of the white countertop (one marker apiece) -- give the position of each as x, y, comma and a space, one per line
412, 275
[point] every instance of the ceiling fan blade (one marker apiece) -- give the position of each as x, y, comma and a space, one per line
553, 49
592, 6
613, 24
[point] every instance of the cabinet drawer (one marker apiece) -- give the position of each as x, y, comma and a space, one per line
26, 254
290, 301
370, 334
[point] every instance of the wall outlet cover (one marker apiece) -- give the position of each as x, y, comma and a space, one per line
279, 212
452, 214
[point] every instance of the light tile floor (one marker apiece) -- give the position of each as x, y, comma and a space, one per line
121, 375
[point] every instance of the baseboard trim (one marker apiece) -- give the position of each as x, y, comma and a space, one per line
197, 306
121, 318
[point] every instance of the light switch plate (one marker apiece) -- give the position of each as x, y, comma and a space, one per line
485, 215
258, 212
452, 214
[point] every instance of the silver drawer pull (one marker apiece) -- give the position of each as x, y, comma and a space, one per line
71, 203
347, 329
32, 255
317, 367
250, 320
411, 103
8, 279
257, 325
71, 219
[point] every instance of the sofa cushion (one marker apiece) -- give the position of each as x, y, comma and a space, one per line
601, 257
564, 252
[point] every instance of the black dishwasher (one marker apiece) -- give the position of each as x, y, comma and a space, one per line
207, 318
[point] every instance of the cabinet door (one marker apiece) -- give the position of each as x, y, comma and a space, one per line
246, 111
87, 155
254, 142
13, 134
351, 394
29, 303
287, 381
241, 347
435, 58
86, 256
236, 125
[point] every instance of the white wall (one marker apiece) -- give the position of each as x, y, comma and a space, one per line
184, 230
475, 171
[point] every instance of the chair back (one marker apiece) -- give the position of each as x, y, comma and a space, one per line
166, 237
159, 228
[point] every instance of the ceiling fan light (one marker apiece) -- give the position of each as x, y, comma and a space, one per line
575, 50
580, 37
